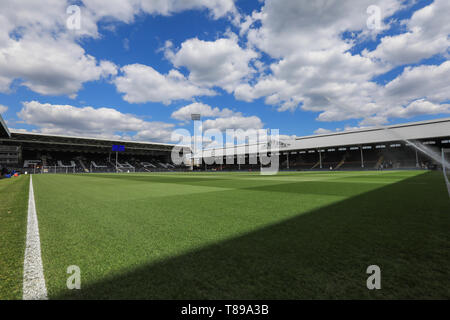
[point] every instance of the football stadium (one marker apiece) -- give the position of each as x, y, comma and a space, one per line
224, 159
137, 226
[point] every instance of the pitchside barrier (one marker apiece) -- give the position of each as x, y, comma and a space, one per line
67, 170
56, 169
73, 170
126, 170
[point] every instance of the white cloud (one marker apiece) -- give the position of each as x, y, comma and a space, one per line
321, 80
322, 131
92, 122
125, 10
220, 63
289, 26
206, 111
427, 34
416, 91
39, 51
377, 120
417, 108
314, 69
142, 83
3, 108
50, 66
310, 66
20, 17
111, 124
346, 128
222, 119
234, 122
430, 81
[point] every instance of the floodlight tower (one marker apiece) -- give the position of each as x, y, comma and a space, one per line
195, 117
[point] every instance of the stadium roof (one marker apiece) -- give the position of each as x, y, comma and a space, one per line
32, 138
82, 143
63, 139
4, 132
400, 132
116, 141
407, 131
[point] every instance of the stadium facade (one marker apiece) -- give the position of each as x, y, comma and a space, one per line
27, 151
389, 147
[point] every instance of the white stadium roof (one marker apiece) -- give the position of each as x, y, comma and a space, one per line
409, 131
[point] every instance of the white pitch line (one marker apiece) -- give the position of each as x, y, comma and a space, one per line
447, 183
33, 272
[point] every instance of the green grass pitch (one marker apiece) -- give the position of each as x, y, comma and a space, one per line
299, 235
13, 228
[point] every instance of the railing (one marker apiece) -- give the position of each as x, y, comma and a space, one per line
4, 148
57, 169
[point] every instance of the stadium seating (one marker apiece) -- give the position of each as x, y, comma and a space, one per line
73, 162
388, 156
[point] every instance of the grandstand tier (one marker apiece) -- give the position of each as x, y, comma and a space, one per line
389, 147
41, 153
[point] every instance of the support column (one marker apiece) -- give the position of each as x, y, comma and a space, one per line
362, 157
117, 156
417, 158
320, 159
288, 159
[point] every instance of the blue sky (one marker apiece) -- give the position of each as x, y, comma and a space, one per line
136, 69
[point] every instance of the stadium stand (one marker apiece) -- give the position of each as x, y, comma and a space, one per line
39, 153
363, 149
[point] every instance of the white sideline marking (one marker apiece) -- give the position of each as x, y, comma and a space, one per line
33, 272
447, 183
444, 170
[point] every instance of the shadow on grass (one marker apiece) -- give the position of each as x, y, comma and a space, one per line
403, 228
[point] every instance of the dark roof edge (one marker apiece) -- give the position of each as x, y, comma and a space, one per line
4, 127
92, 138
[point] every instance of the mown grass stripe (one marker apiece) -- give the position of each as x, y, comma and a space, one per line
13, 230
